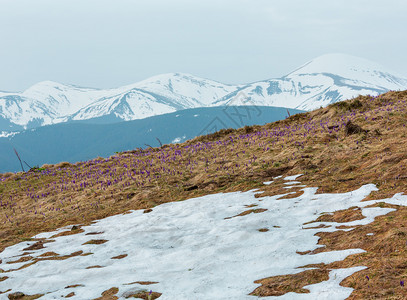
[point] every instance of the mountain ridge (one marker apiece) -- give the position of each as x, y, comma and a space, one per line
321, 81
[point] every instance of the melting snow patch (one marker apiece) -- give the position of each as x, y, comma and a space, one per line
5, 134
193, 250
268, 182
294, 177
178, 139
292, 182
331, 289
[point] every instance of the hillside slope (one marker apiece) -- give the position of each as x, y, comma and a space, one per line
337, 149
62, 142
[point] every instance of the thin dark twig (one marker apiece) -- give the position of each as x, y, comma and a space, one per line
18, 156
288, 112
161, 144
148, 145
27, 164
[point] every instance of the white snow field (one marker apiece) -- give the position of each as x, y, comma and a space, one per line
193, 250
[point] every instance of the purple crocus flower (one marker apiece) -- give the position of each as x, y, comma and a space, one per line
401, 282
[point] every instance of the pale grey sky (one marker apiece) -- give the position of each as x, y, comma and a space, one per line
100, 43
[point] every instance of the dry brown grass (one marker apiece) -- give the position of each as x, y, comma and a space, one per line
280, 285
250, 211
46, 256
121, 256
144, 295
109, 294
316, 144
21, 296
95, 242
341, 216
142, 282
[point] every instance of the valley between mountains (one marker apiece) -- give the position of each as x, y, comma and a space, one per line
310, 207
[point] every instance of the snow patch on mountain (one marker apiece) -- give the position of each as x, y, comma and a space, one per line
131, 105
191, 90
354, 70
324, 80
320, 82
5, 134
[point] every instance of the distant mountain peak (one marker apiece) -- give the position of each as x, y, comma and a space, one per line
178, 76
46, 84
323, 80
344, 65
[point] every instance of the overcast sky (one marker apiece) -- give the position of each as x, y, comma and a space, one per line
99, 43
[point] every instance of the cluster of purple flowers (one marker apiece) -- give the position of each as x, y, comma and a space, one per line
99, 179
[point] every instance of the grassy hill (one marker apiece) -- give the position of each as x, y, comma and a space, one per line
338, 149
84, 140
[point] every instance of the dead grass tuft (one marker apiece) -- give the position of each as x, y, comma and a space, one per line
142, 282
62, 165
280, 285
121, 256
145, 295
95, 242
94, 267
66, 233
74, 286
109, 294
22, 296
351, 128
341, 216
250, 211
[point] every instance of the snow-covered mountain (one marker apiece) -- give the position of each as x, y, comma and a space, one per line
155, 96
51, 102
324, 80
